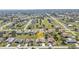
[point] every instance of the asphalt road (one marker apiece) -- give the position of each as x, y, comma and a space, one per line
27, 24
1, 28
67, 29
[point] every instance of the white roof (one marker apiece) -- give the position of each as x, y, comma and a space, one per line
10, 39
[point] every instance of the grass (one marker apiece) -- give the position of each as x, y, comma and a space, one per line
46, 23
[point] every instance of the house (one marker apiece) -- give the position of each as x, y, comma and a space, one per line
70, 40
39, 42
64, 34
10, 39
49, 20
1, 39
1, 34
19, 32
30, 41
70, 25
18, 41
76, 21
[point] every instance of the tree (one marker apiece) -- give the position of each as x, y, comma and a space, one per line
13, 33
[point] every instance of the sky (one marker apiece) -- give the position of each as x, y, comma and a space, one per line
39, 4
